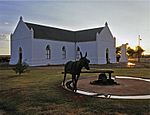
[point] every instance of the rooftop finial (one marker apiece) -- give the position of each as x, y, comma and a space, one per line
106, 24
20, 17
31, 29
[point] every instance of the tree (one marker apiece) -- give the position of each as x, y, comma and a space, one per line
118, 50
130, 52
118, 53
138, 52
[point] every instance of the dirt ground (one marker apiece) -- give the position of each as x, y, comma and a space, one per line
125, 87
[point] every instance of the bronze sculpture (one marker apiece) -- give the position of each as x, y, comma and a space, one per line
74, 68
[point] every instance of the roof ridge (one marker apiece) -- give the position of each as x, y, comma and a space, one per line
89, 29
62, 28
48, 26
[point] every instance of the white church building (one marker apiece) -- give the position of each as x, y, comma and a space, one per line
42, 45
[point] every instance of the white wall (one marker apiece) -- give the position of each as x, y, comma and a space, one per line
91, 49
105, 40
22, 37
39, 52
39, 56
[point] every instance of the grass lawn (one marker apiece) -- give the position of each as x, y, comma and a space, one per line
39, 92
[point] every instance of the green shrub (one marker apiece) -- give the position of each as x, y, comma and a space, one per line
21, 68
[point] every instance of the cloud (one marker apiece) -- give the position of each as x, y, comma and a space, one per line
126, 18
4, 37
4, 47
6, 23
4, 44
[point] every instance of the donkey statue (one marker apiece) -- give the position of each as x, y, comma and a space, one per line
74, 68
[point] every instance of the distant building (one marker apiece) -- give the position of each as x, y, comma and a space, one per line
43, 45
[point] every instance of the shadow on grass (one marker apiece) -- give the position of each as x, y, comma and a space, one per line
7, 106
10, 77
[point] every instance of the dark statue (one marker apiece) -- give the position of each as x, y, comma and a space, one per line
74, 68
103, 80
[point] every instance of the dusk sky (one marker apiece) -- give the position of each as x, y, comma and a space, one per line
127, 19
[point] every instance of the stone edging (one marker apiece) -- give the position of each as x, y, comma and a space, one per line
109, 95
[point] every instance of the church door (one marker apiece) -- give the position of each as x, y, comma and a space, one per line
107, 56
20, 55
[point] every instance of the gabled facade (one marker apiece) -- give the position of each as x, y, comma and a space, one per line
42, 45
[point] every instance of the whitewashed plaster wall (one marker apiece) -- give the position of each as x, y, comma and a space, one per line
39, 56
105, 40
91, 49
21, 38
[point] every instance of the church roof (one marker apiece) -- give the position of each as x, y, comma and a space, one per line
87, 35
51, 33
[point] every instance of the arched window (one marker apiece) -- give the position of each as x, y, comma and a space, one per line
77, 53
64, 52
20, 55
107, 56
48, 52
